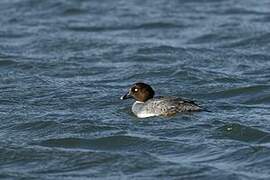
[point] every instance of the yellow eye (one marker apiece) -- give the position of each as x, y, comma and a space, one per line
135, 89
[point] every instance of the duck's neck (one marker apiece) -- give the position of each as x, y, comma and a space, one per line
139, 102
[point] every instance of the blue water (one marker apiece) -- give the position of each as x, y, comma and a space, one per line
65, 64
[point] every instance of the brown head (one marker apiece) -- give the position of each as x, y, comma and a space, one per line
140, 92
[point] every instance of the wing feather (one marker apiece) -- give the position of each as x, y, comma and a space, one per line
168, 106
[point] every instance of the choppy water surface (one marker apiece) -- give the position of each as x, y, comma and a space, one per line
64, 65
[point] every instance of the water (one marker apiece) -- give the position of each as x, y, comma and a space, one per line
65, 64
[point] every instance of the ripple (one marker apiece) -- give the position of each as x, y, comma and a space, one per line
159, 25
115, 142
36, 125
243, 133
150, 26
4, 63
74, 12
95, 164
211, 38
241, 11
247, 42
241, 91
261, 99
160, 49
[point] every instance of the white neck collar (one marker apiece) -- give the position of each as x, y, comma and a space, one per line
139, 102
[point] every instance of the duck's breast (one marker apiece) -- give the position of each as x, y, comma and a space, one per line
143, 110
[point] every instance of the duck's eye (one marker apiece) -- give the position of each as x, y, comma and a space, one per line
135, 89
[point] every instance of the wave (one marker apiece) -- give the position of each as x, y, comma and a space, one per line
243, 133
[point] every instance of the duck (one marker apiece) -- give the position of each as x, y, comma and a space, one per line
146, 105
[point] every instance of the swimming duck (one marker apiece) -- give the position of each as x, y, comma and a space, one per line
146, 105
